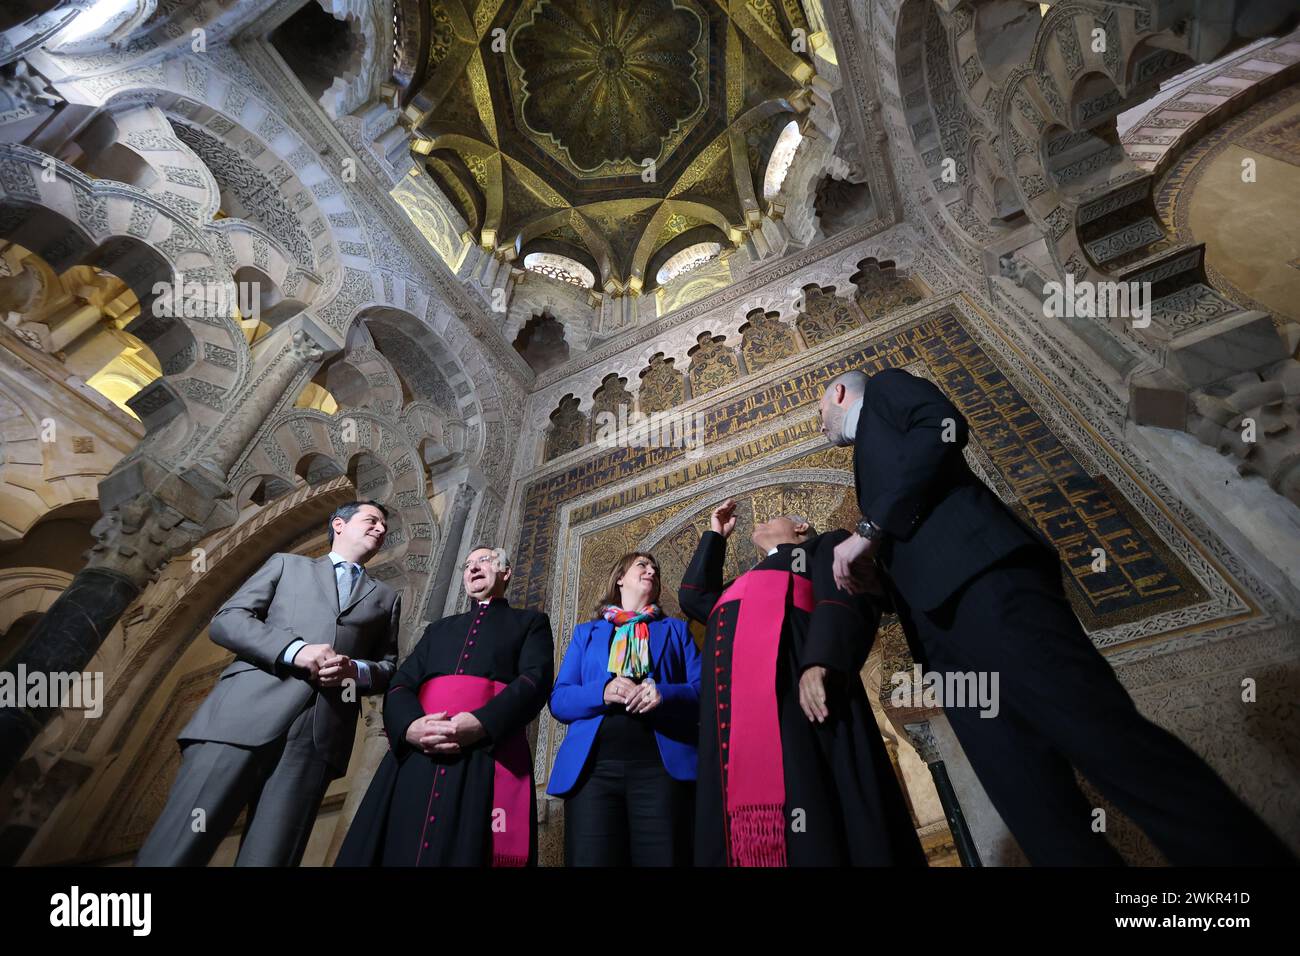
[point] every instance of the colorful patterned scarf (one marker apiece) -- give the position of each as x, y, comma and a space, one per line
629, 652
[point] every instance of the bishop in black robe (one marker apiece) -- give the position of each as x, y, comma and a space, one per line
447, 803
827, 796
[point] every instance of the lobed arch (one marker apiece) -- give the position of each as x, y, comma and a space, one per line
542, 341
1059, 138
375, 454
360, 376
262, 223
193, 94
68, 219
427, 364
151, 136
352, 245
132, 142
318, 468
562, 417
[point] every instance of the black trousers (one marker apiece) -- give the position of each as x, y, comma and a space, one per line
1061, 705
628, 812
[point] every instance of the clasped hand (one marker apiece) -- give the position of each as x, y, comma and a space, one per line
438, 734
635, 698
325, 666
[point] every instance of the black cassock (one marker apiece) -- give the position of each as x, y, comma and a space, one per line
838, 772
424, 810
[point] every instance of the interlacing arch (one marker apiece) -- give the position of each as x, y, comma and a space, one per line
67, 219
1058, 137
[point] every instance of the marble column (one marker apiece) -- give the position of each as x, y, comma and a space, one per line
928, 749
444, 585
374, 745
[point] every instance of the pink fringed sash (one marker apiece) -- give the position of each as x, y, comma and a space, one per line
513, 782
755, 798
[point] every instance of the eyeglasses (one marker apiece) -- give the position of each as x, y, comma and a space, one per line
485, 560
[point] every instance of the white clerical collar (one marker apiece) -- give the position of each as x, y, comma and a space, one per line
851, 421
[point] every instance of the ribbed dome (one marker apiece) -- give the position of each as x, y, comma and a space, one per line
609, 80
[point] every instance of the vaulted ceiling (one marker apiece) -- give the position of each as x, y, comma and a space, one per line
615, 132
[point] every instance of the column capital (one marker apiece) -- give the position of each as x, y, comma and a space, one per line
922, 738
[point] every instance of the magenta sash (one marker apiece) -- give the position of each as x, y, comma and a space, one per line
512, 786
755, 798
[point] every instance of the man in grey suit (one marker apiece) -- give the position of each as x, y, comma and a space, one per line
309, 635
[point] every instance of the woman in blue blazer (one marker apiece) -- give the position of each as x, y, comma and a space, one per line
629, 689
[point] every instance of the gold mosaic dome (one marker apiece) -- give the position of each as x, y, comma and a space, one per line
606, 85
614, 133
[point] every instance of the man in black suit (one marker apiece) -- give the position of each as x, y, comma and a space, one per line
978, 591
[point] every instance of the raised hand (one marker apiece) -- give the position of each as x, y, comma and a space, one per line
724, 518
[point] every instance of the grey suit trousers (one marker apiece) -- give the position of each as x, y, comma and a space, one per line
281, 783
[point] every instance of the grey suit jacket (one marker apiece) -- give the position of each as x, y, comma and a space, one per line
258, 696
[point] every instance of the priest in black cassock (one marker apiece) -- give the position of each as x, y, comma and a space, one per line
456, 787
792, 770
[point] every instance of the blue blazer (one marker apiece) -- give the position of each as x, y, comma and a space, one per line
579, 698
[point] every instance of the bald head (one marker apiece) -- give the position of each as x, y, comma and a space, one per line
783, 529
853, 382
841, 394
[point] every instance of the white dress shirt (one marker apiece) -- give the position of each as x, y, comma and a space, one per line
851, 421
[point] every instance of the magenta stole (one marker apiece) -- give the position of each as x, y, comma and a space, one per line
513, 782
755, 781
